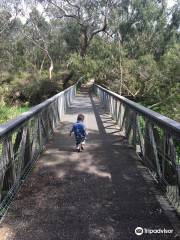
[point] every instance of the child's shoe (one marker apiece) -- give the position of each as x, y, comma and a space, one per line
78, 148
82, 145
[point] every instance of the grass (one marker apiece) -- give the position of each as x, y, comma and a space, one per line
10, 112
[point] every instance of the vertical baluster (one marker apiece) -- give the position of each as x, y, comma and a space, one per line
140, 136
28, 149
151, 149
8, 174
118, 113
134, 128
40, 137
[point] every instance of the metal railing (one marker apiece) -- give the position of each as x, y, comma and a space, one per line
154, 136
23, 139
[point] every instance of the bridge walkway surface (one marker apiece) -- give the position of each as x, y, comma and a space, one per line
100, 193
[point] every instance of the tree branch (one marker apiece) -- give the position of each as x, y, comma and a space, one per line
69, 16
102, 29
73, 5
57, 6
128, 90
65, 14
160, 102
33, 41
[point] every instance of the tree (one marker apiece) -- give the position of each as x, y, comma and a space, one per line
38, 31
91, 16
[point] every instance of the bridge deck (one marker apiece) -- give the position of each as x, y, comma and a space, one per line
96, 194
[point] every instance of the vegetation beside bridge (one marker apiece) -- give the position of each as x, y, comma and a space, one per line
131, 47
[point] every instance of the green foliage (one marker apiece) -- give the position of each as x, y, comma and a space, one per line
10, 112
32, 89
71, 33
40, 91
84, 66
170, 63
138, 56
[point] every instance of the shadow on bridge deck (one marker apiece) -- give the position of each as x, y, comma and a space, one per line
96, 194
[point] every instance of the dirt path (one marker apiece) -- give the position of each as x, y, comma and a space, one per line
98, 194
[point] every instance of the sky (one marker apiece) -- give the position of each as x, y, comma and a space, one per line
170, 3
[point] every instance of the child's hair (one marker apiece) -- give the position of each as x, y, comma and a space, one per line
80, 117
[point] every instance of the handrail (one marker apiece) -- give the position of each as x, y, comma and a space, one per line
154, 137
23, 139
156, 117
12, 124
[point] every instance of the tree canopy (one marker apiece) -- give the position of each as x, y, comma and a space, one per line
129, 46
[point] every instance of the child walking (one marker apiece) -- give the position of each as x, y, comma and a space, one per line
80, 133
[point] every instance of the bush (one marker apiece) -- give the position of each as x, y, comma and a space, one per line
7, 113
31, 89
41, 90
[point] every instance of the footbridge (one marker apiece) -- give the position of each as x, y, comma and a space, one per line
125, 185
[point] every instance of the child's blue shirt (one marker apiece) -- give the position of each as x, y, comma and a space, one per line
79, 130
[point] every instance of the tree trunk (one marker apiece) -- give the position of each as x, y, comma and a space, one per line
51, 64
120, 66
51, 69
42, 64
84, 44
